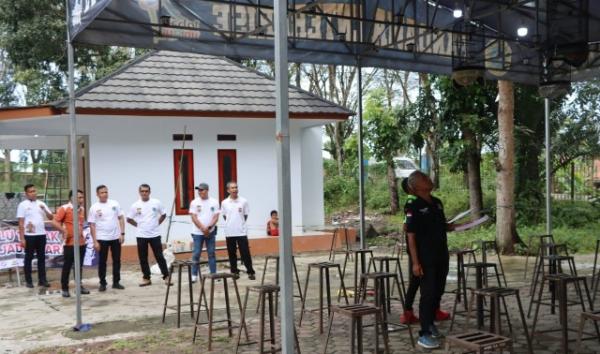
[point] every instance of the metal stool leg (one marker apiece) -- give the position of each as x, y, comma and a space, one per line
167, 294
304, 299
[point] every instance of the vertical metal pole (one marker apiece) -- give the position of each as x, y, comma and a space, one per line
548, 168
283, 176
361, 168
74, 173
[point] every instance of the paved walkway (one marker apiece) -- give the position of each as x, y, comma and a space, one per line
31, 320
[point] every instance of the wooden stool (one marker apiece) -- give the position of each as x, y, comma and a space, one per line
495, 294
339, 232
479, 342
356, 313
400, 246
560, 283
360, 257
262, 280
592, 315
595, 272
384, 266
555, 265
323, 268
180, 264
542, 239
481, 273
210, 308
490, 246
265, 293
461, 277
381, 286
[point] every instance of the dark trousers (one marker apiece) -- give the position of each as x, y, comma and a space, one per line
115, 250
433, 283
35, 244
156, 245
240, 242
69, 260
413, 285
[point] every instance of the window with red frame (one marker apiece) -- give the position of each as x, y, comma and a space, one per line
227, 170
184, 180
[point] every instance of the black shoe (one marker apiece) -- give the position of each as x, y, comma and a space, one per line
251, 277
102, 287
118, 286
44, 284
84, 291
29, 285
65, 293
236, 276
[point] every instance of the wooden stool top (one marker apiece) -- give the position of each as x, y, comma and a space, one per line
324, 264
386, 258
362, 250
480, 265
181, 262
220, 276
478, 340
555, 257
496, 291
356, 310
462, 251
265, 288
378, 275
563, 277
593, 315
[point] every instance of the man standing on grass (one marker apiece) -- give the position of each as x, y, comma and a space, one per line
235, 212
205, 214
426, 228
63, 220
107, 225
146, 215
31, 213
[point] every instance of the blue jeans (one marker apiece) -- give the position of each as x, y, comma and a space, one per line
199, 241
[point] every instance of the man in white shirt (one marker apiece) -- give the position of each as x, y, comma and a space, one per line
31, 213
107, 226
147, 214
205, 214
235, 212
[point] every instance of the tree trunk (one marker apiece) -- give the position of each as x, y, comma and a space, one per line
473, 173
434, 160
505, 180
7, 170
392, 187
338, 141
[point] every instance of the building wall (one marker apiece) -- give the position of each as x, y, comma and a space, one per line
127, 151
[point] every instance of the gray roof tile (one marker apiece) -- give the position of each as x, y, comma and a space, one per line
165, 80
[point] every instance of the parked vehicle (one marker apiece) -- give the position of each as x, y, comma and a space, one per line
404, 167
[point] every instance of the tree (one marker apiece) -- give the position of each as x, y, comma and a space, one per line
32, 34
505, 198
468, 124
428, 127
385, 132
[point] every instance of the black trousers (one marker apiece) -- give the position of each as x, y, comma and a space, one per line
156, 245
413, 285
35, 244
69, 260
240, 242
115, 250
433, 283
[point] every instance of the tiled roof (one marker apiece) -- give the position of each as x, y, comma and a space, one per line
166, 80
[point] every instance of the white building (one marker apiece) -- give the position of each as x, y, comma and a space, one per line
131, 125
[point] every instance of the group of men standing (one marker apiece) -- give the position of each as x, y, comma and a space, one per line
107, 228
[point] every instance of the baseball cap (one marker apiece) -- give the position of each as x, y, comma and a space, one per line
202, 186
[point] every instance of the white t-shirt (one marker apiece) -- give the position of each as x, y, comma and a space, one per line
106, 218
33, 215
205, 210
234, 211
146, 215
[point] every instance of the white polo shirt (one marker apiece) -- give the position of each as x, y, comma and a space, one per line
33, 216
106, 218
205, 210
234, 211
146, 215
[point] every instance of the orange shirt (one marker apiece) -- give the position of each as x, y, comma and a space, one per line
64, 215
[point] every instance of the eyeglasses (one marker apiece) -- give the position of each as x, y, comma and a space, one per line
144, 191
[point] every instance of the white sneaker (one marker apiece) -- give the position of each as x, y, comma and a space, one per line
194, 278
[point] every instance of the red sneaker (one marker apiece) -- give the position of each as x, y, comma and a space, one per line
408, 317
441, 315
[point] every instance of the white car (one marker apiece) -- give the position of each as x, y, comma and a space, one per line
404, 167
